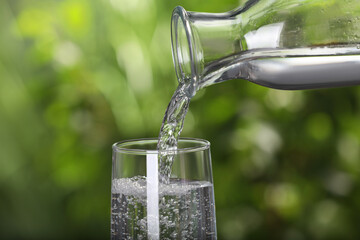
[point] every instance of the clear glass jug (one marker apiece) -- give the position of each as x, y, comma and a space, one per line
283, 44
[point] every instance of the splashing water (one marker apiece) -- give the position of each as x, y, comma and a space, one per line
171, 128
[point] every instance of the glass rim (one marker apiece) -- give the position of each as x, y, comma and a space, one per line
121, 146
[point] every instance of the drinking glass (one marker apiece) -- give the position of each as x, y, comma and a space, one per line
142, 207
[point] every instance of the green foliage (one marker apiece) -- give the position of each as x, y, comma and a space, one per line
78, 75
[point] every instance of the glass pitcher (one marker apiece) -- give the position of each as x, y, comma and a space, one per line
282, 44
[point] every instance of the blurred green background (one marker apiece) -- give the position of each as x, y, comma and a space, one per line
79, 75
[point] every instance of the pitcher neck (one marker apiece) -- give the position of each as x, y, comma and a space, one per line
200, 38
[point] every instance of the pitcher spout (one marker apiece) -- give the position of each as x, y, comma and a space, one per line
200, 38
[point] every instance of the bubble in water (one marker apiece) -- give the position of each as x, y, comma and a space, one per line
186, 210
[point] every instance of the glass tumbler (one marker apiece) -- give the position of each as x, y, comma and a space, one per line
142, 207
